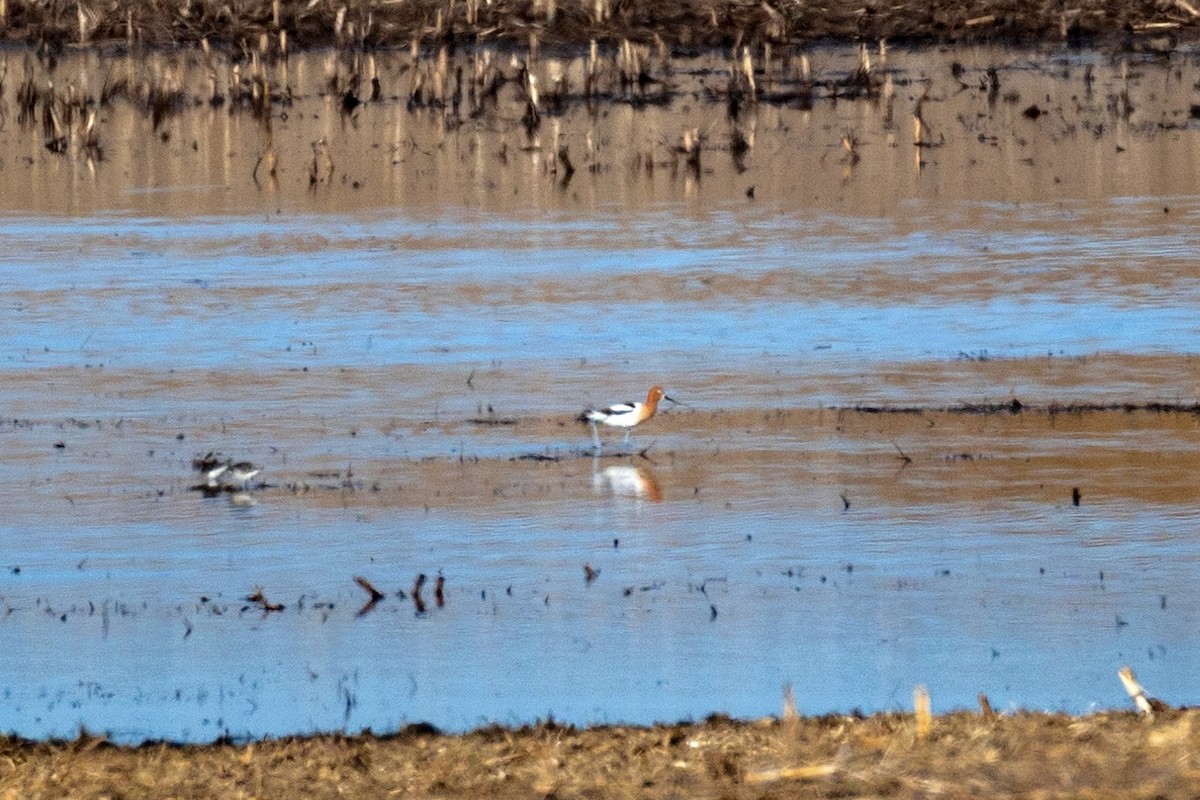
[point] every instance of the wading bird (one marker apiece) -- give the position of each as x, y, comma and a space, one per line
624, 415
243, 472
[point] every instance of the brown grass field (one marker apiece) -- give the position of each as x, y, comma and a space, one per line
1114, 754
686, 23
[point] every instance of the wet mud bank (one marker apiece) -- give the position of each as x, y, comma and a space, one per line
883, 456
636, 125
901, 457
1107, 755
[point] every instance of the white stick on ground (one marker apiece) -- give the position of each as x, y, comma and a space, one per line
924, 715
1135, 690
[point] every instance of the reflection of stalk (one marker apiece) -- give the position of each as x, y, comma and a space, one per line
52, 129
889, 102
268, 160
563, 154
91, 138
215, 98
533, 114
689, 147
850, 145
321, 168
739, 145
260, 98
920, 128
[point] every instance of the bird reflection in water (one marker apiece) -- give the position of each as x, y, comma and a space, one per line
626, 481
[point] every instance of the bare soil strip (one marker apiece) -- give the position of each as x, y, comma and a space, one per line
1117, 754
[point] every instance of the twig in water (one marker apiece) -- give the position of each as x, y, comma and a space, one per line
257, 597
416, 593
375, 595
369, 588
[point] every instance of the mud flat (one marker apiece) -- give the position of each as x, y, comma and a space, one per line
526, 127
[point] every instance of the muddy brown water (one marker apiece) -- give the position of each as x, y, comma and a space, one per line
846, 502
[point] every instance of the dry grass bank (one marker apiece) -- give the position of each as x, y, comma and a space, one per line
961, 755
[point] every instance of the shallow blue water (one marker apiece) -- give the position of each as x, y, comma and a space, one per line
233, 292
710, 604
1035, 609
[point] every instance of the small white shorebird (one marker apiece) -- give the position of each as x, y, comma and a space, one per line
212, 475
242, 472
625, 415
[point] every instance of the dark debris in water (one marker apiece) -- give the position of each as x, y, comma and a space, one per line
258, 597
493, 421
1015, 406
538, 457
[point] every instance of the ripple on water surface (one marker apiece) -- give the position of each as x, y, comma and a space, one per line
385, 370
